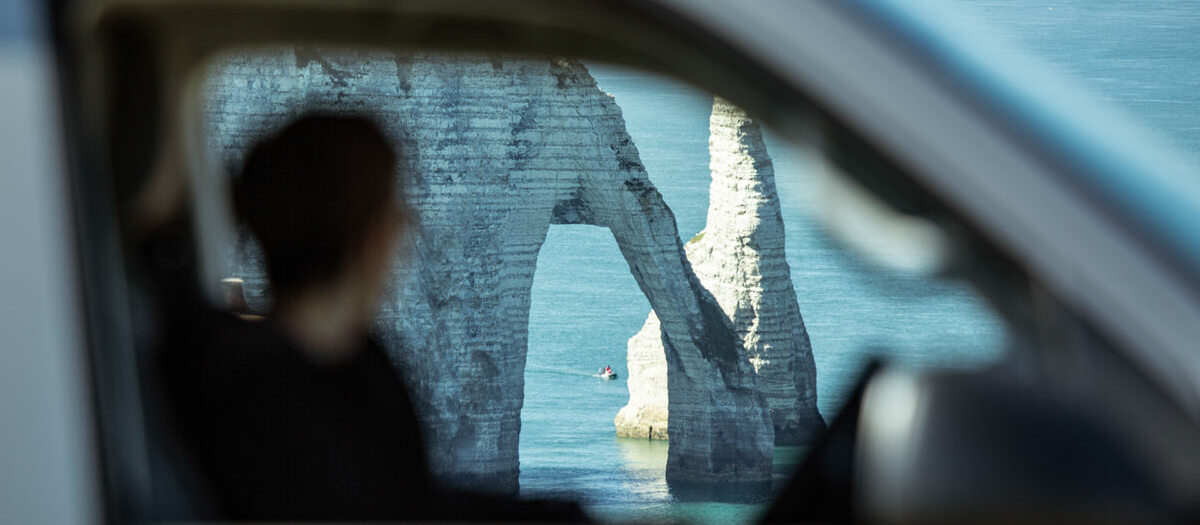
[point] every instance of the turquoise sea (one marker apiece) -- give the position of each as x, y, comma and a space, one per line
1141, 56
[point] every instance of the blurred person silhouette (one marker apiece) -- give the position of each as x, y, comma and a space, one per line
302, 416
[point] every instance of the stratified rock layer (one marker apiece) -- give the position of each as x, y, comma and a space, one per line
740, 259
645, 416
498, 150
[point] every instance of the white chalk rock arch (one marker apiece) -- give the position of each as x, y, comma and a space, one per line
499, 149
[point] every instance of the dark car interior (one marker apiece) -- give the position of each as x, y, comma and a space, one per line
993, 446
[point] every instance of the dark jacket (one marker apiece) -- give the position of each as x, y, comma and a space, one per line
277, 436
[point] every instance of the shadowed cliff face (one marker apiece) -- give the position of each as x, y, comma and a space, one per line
740, 259
497, 151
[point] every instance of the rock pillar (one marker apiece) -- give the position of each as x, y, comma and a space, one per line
740, 259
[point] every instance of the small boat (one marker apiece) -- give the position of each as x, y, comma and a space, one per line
607, 375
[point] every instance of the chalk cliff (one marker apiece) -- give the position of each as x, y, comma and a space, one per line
740, 259
498, 150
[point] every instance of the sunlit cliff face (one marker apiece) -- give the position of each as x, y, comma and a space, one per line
740, 259
499, 150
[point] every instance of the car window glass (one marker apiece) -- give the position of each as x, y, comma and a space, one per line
558, 200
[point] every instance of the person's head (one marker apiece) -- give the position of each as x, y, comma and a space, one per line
321, 197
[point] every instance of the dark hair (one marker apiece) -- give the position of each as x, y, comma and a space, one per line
310, 192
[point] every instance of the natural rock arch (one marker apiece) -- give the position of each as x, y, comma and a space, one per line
498, 150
